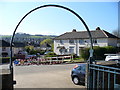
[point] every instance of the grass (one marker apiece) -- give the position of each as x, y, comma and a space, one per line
74, 60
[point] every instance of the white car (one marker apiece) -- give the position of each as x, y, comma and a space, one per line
112, 57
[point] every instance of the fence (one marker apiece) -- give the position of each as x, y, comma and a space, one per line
41, 61
104, 77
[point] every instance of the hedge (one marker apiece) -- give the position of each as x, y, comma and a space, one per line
98, 52
5, 59
51, 54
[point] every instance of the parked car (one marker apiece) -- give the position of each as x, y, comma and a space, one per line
78, 74
112, 56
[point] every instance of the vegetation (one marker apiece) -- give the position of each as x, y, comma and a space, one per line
6, 59
46, 41
30, 49
98, 52
51, 54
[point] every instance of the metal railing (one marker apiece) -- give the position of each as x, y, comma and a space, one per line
104, 77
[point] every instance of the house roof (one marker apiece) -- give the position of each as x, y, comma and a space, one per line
19, 44
3, 43
84, 34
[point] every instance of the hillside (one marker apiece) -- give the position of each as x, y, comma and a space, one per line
27, 38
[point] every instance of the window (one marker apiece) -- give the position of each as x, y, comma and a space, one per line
71, 50
71, 41
81, 41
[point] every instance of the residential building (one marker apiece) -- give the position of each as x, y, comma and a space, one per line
18, 47
72, 42
4, 49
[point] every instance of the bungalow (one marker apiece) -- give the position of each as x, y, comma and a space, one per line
72, 42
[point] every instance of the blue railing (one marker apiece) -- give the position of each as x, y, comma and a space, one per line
104, 77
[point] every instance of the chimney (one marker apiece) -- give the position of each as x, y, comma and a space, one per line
74, 30
98, 28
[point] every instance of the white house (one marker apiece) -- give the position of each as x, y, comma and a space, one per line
72, 42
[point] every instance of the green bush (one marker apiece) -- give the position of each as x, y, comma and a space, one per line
110, 49
51, 54
6, 59
84, 53
98, 52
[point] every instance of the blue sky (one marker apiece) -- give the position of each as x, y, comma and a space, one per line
56, 21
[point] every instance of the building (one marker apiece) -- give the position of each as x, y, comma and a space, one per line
72, 42
4, 48
18, 47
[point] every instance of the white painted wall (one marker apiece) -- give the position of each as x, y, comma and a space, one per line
100, 42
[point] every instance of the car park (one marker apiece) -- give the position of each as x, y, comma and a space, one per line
78, 74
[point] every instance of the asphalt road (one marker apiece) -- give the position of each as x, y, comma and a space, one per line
44, 76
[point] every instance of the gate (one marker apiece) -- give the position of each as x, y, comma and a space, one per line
102, 77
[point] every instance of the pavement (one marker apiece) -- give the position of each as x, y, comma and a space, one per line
44, 76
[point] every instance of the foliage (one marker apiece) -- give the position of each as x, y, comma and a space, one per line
98, 52
110, 49
6, 59
51, 54
52, 49
29, 48
46, 41
84, 53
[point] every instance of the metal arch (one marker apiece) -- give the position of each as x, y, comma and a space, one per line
51, 5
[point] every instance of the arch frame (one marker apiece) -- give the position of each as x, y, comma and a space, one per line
51, 5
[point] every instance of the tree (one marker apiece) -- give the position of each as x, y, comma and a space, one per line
29, 48
46, 41
48, 44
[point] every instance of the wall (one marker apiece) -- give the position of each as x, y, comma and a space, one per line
86, 43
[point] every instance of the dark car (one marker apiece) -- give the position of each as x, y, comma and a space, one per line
78, 74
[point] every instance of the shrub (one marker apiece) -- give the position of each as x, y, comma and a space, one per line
98, 52
84, 53
6, 59
51, 54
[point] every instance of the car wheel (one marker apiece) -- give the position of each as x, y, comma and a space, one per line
76, 80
